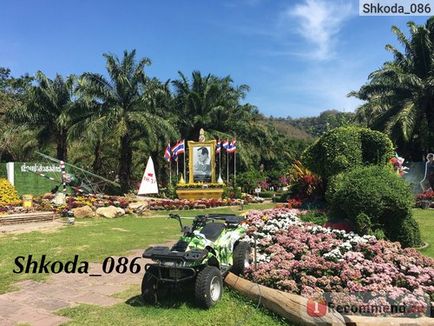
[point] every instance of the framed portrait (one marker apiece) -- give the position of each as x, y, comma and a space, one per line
201, 161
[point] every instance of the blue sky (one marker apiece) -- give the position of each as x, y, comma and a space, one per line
298, 57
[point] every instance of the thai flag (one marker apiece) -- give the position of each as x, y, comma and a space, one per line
218, 147
226, 144
232, 146
179, 148
167, 154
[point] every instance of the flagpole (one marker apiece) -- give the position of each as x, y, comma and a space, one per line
185, 170
227, 167
177, 167
170, 172
220, 163
235, 167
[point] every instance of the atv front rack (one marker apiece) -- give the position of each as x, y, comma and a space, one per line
165, 254
170, 274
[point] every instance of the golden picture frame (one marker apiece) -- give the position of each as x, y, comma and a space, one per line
201, 162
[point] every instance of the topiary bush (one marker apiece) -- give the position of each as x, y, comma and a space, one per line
377, 148
8, 194
378, 193
345, 148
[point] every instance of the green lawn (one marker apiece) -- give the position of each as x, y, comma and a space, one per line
92, 240
231, 310
95, 239
425, 219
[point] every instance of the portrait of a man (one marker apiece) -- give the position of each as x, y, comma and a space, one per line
202, 164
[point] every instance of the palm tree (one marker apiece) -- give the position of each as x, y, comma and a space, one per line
126, 107
205, 102
47, 110
400, 95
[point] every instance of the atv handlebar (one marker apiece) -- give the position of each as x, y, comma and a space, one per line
178, 218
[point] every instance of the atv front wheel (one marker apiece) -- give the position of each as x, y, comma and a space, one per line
149, 288
209, 287
241, 258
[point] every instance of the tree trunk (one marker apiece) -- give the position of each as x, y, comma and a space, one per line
62, 146
125, 161
97, 163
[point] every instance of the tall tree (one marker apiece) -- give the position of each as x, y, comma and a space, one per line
400, 95
126, 106
205, 102
16, 142
47, 110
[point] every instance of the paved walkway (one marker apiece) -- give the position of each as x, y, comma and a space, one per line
30, 227
36, 302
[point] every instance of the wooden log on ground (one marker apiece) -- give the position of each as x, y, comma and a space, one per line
294, 307
290, 306
27, 218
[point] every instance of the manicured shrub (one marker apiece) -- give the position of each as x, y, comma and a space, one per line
377, 148
363, 224
345, 148
406, 231
378, 193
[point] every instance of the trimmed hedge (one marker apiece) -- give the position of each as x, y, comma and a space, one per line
345, 148
374, 197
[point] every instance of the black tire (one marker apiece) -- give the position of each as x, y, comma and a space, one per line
241, 258
149, 289
208, 287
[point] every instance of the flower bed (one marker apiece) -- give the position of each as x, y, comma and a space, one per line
45, 203
169, 204
326, 264
425, 199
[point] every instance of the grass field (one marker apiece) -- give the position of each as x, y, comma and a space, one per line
230, 311
95, 239
425, 219
92, 240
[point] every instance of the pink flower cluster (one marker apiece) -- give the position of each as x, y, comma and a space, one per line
314, 261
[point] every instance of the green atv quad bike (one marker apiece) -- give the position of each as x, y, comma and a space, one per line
206, 252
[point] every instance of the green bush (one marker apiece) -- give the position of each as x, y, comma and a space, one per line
315, 217
363, 224
377, 148
345, 148
283, 197
232, 192
249, 180
267, 194
3, 173
378, 193
406, 231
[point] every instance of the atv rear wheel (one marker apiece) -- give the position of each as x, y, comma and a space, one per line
241, 258
209, 287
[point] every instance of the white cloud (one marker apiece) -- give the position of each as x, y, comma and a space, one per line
319, 22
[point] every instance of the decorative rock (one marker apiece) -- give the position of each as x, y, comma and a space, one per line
84, 211
110, 211
138, 207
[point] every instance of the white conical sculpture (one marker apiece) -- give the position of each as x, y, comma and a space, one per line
149, 181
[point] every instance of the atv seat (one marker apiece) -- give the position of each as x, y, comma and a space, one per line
212, 230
